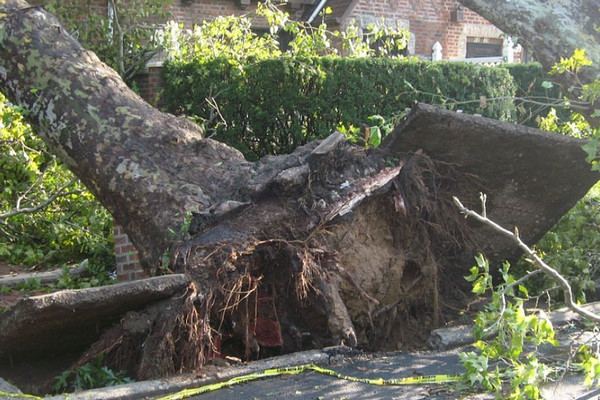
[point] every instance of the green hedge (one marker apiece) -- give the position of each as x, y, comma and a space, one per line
533, 99
273, 106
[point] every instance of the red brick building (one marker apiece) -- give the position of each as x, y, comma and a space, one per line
429, 21
440, 29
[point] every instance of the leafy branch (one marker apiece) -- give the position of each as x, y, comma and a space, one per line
508, 289
533, 257
61, 192
46, 216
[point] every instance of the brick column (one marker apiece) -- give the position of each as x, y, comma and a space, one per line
126, 257
150, 83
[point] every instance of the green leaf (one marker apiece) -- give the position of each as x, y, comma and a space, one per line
375, 138
479, 287
474, 274
523, 289
591, 148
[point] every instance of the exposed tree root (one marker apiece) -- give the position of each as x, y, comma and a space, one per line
365, 273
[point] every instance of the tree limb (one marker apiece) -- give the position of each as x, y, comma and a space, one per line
59, 193
534, 259
540, 26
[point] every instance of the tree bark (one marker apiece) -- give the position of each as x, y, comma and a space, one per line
551, 30
332, 243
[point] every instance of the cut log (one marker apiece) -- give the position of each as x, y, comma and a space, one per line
73, 319
448, 338
44, 278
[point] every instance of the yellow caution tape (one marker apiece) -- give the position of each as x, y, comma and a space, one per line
184, 394
20, 396
416, 380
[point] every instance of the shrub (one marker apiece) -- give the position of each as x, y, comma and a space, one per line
273, 106
572, 247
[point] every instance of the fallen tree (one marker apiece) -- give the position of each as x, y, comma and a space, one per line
332, 243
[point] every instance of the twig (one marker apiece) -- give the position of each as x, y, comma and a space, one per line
59, 193
503, 297
534, 259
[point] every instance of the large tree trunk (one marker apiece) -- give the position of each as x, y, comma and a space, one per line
331, 243
551, 30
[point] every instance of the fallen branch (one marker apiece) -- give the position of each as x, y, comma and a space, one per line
59, 193
534, 259
508, 288
44, 278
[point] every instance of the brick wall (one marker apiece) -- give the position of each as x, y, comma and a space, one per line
149, 84
195, 11
192, 12
428, 22
126, 257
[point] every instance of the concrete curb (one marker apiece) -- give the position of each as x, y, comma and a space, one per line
163, 387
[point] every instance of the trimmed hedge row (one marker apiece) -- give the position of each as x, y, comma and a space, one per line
533, 99
273, 106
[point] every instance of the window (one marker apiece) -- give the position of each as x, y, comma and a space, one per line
484, 47
283, 37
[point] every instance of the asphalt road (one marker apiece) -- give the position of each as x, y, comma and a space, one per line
312, 385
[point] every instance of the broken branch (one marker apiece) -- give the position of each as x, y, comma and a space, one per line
59, 193
534, 259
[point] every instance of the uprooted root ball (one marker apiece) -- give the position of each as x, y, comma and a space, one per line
369, 279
